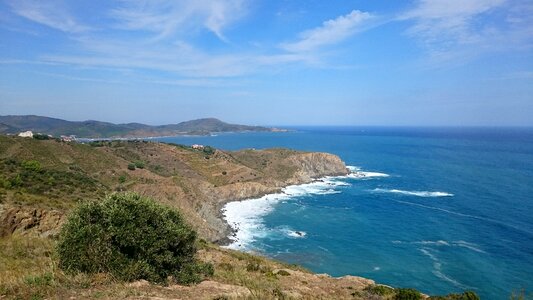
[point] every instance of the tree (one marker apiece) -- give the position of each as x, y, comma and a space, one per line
132, 238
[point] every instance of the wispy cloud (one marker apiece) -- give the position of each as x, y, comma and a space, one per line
49, 13
166, 18
330, 32
158, 35
463, 29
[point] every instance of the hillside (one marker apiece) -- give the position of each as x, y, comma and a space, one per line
53, 176
97, 129
42, 180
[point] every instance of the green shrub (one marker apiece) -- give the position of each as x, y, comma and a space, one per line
39, 136
381, 290
31, 165
131, 167
16, 181
253, 266
139, 164
209, 150
468, 295
122, 179
132, 238
407, 294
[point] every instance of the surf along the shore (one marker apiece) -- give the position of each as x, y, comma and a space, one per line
246, 217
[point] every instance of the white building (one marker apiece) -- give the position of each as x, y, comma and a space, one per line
26, 134
196, 146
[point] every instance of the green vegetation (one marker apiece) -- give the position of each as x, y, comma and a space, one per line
407, 294
132, 238
380, 290
39, 136
96, 129
31, 165
131, 167
468, 295
28, 181
208, 150
139, 164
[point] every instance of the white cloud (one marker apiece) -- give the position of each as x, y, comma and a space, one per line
439, 9
49, 13
331, 32
455, 30
166, 18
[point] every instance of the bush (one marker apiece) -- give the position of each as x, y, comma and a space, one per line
132, 238
122, 179
31, 165
139, 164
131, 167
39, 136
380, 290
407, 294
209, 150
468, 295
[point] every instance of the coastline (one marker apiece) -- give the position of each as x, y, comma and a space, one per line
266, 202
185, 134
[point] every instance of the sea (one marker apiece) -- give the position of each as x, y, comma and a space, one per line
437, 209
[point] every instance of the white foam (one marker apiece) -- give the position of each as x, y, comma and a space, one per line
295, 233
437, 269
246, 217
468, 245
414, 193
357, 173
436, 243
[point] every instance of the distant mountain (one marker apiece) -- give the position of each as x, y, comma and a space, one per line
97, 129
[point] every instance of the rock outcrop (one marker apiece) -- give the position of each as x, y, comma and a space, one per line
26, 220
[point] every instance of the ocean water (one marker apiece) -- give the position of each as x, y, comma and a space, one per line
437, 209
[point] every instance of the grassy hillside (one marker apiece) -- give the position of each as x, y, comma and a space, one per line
97, 129
55, 175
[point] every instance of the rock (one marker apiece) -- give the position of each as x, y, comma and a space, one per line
26, 220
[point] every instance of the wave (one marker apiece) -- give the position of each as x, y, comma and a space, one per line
468, 245
357, 173
503, 224
442, 243
294, 233
437, 269
246, 217
414, 193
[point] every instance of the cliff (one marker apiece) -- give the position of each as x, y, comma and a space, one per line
42, 180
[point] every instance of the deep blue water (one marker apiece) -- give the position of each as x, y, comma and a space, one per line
481, 238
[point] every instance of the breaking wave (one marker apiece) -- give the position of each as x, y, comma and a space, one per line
414, 193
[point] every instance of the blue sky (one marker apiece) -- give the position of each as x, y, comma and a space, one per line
286, 62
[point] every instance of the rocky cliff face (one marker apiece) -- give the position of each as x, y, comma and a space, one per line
306, 167
315, 165
26, 220
197, 181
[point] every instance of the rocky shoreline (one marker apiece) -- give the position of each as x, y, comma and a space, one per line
305, 176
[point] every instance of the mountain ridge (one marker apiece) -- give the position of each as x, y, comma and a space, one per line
12, 124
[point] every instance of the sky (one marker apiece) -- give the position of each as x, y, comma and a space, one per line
271, 62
